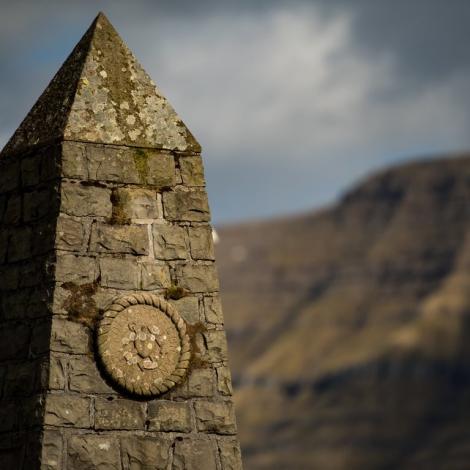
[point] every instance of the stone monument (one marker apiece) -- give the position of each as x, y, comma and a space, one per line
112, 345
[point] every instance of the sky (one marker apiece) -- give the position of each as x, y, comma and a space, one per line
293, 101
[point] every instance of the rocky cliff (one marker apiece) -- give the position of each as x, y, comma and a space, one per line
349, 327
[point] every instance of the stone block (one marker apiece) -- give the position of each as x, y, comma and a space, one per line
41, 337
14, 341
119, 414
131, 239
52, 448
69, 337
93, 452
194, 454
85, 200
201, 382
21, 380
9, 418
67, 410
167, 416
192, 170
76, 269
74, 161
224, 381
213, 310
169, 242
43, 240
215, 417
84, 377
31, 170
200, 239
39, 204
230, 454
56, 372
144, 453
216, 342
13, 211
120, 273
188, 308
133, 203
198, 278
70, 234
19, 244
107, 163
3, 245
190, 206
155, 276
9, 175
160, 170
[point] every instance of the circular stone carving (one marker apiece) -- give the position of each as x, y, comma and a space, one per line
143, 345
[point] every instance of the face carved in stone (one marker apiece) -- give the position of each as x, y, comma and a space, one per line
143, 345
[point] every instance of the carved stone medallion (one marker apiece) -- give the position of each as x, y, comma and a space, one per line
143, 345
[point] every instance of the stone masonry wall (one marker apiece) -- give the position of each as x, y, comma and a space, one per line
135, 220
29, 205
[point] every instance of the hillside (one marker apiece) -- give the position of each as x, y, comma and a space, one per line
349, 327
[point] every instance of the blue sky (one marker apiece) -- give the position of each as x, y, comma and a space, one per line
291, 100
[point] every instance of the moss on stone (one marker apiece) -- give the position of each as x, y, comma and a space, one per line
141, 164
80, 304
119, 216
175, 292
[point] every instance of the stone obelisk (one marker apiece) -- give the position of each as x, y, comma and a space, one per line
112, 344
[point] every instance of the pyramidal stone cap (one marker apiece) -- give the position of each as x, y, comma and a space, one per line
101, 94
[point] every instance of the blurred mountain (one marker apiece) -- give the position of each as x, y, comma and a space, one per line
349, 328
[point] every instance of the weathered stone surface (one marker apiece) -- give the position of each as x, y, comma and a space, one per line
93, 452
188, 307
213, 310
213, 416
13, 211
166, 415
84, 377
67, 410
39, 204
118, 105
74, 160
143, 344
119, 414
9, 175
155, 168
230, 454
70, 234
186, 205
192, 171
76, 269
216, 345
194, 454
85, 201
3, 245
142, 453
52, 448
201, 243
14, 341
131, 239
224, 380
132, 203
169, 242
155, 276
70, 337
198, 278
120, 273
56, 373
19, 244
21, 380
201, 383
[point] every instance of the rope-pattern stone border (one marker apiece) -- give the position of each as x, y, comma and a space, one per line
104, 326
